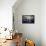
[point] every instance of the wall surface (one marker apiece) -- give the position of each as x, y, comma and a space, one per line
30, 31
43, 22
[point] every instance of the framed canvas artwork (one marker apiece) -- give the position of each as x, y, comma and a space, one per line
28, 19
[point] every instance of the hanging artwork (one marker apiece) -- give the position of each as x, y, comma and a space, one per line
28, 19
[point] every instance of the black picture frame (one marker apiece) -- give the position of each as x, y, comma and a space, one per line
28, 19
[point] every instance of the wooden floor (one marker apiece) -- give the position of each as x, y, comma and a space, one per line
9, 43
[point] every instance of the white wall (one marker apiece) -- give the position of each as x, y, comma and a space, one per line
31, 31
6, 13
43, 22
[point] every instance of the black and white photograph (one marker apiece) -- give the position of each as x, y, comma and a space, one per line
28, 19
